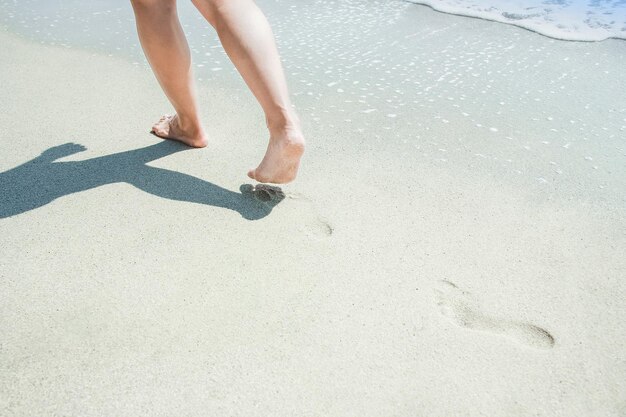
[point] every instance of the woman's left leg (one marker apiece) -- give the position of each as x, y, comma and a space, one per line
166, 48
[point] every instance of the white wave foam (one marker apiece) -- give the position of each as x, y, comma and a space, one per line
577, 20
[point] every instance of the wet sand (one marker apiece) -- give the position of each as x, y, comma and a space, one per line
430, 259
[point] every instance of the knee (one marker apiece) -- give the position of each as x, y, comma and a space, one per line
214, 10
164, 5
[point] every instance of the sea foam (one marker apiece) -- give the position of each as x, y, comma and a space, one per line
575, 20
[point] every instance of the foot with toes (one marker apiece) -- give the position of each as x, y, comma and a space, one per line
171, 127
282, 157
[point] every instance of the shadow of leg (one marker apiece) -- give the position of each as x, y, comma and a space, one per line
40, 181
182, 187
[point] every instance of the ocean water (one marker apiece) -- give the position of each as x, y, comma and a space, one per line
578, 20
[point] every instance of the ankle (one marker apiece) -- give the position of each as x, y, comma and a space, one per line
283, 121
188, 124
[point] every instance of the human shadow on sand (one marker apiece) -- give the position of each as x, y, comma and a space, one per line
42, 180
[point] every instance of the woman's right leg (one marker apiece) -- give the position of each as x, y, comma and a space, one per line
165, 46
249, 42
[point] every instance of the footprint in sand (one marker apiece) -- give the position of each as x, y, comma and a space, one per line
304, 212
458, 307
265, 193
318, 228
258, 201
309, 221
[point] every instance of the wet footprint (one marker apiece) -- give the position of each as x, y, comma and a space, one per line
457, 306
268, 193
258, 201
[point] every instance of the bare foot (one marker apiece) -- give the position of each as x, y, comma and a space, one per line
169, 127
282, 158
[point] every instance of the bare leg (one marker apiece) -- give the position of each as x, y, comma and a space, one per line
166, 48
249, 42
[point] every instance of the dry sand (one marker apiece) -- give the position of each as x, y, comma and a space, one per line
137, 280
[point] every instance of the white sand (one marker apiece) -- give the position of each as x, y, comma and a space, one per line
396, 279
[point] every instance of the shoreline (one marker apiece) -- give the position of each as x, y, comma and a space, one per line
552, 33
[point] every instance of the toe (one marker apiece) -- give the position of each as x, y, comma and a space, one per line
251, 174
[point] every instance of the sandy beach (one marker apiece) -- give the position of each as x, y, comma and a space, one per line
453, 246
